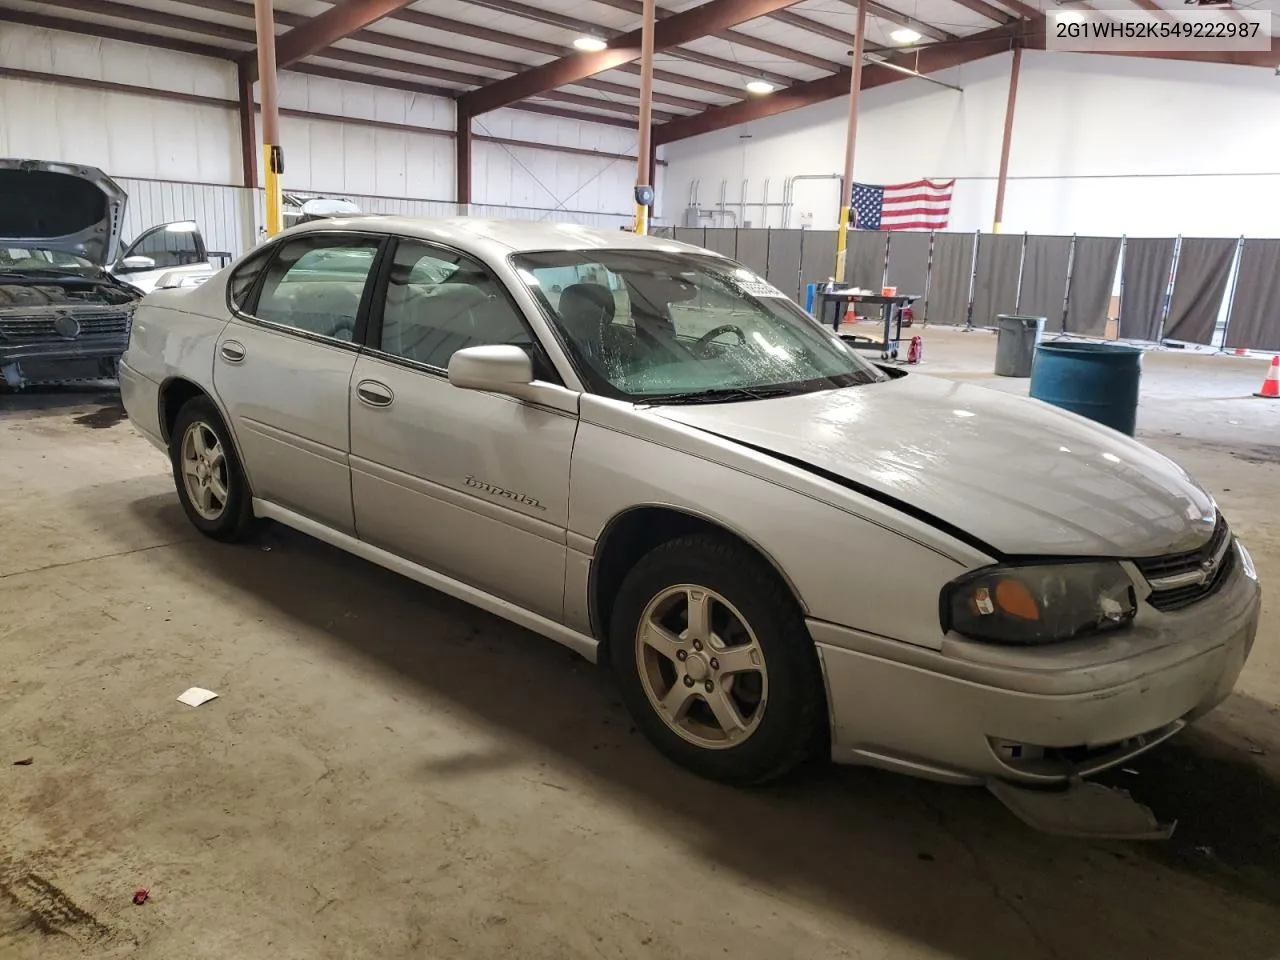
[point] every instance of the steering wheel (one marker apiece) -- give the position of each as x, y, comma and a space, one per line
705, 340
346, 327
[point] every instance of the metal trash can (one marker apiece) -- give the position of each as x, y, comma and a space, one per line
1016, 339
1095, 380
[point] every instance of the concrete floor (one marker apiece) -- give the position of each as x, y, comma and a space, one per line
389, 773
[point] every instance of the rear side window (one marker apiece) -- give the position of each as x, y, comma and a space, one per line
315, 284
245, 276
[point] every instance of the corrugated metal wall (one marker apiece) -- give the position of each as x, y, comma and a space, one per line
225, 214
182, 160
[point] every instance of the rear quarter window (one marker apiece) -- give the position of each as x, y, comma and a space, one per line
245, 277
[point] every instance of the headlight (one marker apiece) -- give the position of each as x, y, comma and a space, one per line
1039, 603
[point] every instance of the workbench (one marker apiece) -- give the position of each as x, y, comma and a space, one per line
890, 310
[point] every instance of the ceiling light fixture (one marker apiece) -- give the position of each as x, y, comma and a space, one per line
760, 87
590, 44
904, 35
1069, 16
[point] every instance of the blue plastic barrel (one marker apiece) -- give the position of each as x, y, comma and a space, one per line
1096, 380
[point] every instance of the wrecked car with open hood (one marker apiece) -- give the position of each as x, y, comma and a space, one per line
63, 315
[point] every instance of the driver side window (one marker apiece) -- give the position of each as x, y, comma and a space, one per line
439, 302
316, 282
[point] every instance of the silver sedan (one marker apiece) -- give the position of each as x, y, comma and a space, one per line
644, 451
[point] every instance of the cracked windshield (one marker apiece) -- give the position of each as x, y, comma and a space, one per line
651, 325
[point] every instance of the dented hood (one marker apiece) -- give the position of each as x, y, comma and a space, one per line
63, 207
1020, 475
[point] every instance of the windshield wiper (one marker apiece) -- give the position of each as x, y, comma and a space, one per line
717, 395
43, 272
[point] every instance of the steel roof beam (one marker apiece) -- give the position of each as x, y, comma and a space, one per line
929, 59
336, 23
672, 31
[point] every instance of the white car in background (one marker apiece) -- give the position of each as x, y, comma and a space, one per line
168, 255
645, 452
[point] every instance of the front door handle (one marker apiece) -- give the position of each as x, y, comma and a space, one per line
232, 351
374, 394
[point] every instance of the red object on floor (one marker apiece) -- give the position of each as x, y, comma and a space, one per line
907, 316
916, 350
140, 895
1271, 383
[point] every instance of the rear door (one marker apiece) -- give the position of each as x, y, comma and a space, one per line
283, 370
473, 485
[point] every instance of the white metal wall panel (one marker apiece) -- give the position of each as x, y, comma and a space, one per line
224, 214
127, 135
182, 161
73, 55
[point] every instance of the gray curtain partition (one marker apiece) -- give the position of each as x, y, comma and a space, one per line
1043, 290
908, 262
784, 262
817, 257
1028, 274
722, 240
753, 250
1147, 263
864, 260
995, 283
1254, 321
1204, 267
949, 281
1093, 277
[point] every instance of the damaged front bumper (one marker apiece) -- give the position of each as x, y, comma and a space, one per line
1036, 717
87, 358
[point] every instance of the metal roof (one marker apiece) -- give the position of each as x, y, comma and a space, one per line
458, 47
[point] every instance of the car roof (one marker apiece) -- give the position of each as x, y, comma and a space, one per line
500, 237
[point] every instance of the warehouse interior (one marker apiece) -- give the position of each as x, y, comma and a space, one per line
388, 770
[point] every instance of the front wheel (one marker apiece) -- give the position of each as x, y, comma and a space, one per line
715, 663
211, 483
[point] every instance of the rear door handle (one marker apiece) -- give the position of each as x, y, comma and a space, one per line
232, 351
374, 394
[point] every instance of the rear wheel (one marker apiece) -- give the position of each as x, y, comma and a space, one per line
714, 660
211, 483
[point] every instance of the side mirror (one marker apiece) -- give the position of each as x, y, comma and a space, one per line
136, 264
501, 369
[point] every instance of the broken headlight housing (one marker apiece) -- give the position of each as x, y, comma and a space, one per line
1039, 603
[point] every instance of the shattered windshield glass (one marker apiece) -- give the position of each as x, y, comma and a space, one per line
651, 325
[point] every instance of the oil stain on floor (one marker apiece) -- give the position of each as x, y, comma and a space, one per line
105, 416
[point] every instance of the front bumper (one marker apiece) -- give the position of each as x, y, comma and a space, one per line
87, 358
973, 712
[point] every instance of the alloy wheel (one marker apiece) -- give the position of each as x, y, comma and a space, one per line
701, 666
204, 470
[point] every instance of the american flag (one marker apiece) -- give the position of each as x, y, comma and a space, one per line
918, 205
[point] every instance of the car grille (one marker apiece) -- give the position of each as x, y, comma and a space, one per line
43, 330
1181, 579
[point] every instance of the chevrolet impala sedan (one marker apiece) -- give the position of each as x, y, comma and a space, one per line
645, 452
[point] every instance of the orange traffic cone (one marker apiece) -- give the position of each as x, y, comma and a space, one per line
1271, 383
851, 314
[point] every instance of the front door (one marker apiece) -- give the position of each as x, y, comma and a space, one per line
283, 368
174, 249
472, 485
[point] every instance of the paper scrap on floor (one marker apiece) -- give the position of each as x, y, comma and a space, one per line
196, 696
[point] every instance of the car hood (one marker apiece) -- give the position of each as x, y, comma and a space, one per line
1022, 476
60, 206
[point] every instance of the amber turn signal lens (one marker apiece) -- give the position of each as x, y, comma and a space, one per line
1013, 598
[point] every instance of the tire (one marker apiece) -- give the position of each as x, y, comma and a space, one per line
228, 514
778, 712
